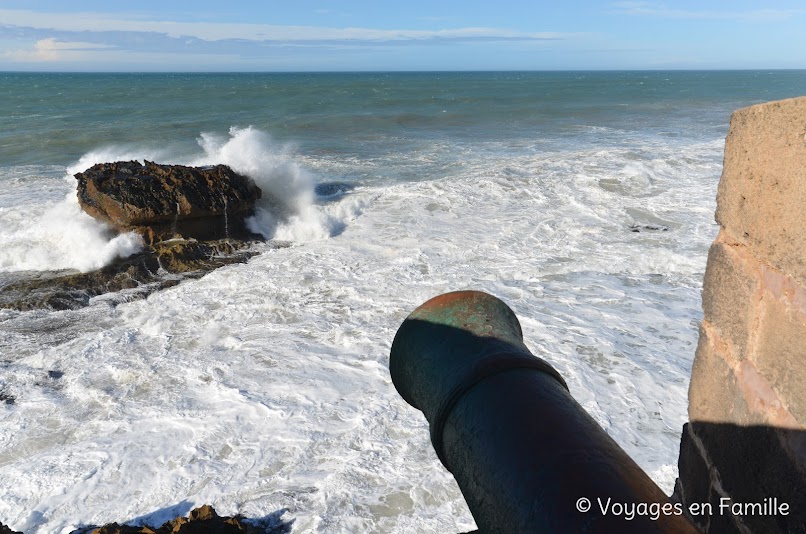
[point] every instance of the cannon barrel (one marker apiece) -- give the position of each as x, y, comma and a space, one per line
503, 422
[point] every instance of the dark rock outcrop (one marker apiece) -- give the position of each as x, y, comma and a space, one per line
191, 220
202, 520
6, 398
167, 201
5, 530
159, 266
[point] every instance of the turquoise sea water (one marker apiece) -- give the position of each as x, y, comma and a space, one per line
264, 387
56, 118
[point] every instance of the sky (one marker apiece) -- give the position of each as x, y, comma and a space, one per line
410, 35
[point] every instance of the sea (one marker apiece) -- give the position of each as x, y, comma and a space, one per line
584, 200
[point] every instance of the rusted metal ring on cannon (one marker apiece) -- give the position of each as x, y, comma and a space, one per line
486, 367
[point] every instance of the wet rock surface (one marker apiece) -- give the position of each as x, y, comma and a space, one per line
167, 201
159, 266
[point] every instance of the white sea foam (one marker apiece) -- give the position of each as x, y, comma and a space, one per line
264, 386
113, 153
42, 234
61, 236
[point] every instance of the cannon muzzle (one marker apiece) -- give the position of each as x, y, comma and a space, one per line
525, 454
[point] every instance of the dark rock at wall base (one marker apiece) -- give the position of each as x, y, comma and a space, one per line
160, 266
168, 201
768, 475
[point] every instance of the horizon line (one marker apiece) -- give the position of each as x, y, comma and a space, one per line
401, 71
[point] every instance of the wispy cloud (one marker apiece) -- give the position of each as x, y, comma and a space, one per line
657, 9
211, 31
87, 40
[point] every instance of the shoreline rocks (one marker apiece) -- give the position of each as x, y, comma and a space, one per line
191, 220
203, 519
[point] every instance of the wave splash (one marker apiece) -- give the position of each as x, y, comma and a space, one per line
287, 210
59, 235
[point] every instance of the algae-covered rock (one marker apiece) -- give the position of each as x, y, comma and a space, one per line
166, 201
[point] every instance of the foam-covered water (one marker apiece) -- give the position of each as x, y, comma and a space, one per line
263, 388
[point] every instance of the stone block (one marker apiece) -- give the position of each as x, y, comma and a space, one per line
780, 353
762, 193
729, 294
714, 394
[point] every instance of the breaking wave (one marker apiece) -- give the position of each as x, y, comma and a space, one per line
59, 235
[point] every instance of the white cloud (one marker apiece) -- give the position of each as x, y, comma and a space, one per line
53, 50
213, 31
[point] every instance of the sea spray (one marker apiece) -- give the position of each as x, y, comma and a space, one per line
110, 153
287, 210
58, 235
176, 219
226, 217
61, 236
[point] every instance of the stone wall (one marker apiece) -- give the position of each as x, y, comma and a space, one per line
746, 440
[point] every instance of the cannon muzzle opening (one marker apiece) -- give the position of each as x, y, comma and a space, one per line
525, 454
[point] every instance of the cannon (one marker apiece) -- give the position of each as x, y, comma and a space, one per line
525, 454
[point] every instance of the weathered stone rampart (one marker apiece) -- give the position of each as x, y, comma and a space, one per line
746, 440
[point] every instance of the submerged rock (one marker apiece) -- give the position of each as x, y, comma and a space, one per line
648, 228
332, 190
159, 266
167, 201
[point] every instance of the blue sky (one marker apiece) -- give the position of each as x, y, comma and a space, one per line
301, 35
